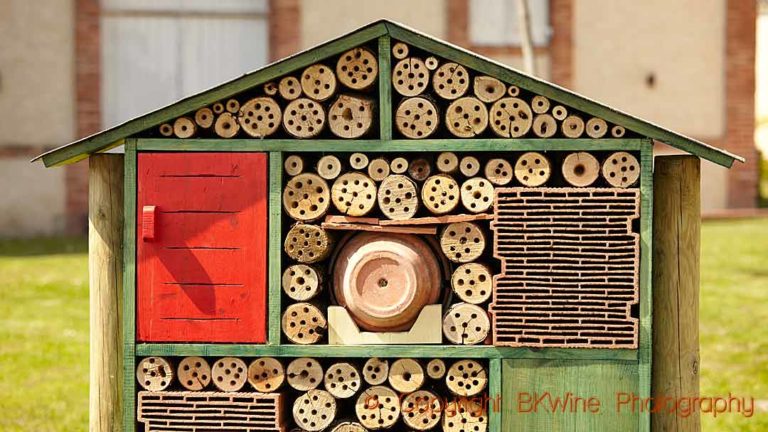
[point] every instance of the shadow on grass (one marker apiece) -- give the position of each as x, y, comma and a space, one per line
43, 246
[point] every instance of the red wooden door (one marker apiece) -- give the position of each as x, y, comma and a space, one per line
201, 255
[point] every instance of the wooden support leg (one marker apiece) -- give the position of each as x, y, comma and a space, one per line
676, 241
105, 264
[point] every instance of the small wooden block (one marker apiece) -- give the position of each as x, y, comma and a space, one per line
559, 112
580, 169
293, 165
304, 118
349, 427
166, 130
318, 249
544, 126
351, 219
417, 118
398, 198
477, 195
358, 161
466, 117
232, 105
350, 116
342, 329
469, 166
184, 127
260, 117
226, 125
399, 50
379, 228
447, 162
329, 167
573, 126
488, 89
498, 171
540, 104
290, 88
378, 169
472, 283
621, 170
438, 220
419, 169
204, 117
465, 414
596, 127
399, 165
357, 68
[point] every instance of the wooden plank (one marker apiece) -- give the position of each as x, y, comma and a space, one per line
438, 220
427, 329
495, 380
352, 219
275, 247
105, 265
129, 287
646, 280
379, 228
676, 247
385, 88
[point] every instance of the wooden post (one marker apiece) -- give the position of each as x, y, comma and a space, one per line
676, 241
105, 264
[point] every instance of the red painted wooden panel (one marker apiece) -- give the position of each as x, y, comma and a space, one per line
202, 276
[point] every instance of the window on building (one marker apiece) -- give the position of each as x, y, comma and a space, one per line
494, 22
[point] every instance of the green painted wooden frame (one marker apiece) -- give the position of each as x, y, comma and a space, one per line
129, 289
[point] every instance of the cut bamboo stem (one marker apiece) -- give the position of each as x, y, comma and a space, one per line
226, 125
469, 166
204, 117
580, 169
419, 169
436, 369
488, 89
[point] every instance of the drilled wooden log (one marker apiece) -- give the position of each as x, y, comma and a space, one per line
329, 167
472, 283
488, 89
357, 68
462, 242
419, 169
540, 104
580, 169
294, 165
466, 414
229, 374
378, 407
406, 375
302, 282
559, 112
421, 410
154, 373
342, 380
399, 50
436, 369
319, 247
466, 378
184, 127
270, 88
376, 371
232, 106
416, 118
469, 166
304, 323
440, 194
398, 198
431, 62
217, 108
166, 130
466, 324
354, 194
318, 82
194, 373
266, 374
204, 117
450, 81
447, 162
350, 116
511, 117
410, 76
544, 126
358, 161
596, 128
618, 131
498, 171
378, 169
304, 374
289, 88
477, 194
315, 410
399, 165
573, 126
513, 91
532, 169
260, 117
348, 426
226, 125
304, 118
466, 117
306, 197
621, 170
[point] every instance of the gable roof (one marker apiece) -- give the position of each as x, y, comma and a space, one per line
114, 136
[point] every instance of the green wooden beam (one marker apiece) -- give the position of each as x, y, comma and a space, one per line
275, 247
646, 277
385, 89
129, 288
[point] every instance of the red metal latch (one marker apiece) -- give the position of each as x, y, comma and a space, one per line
148, 215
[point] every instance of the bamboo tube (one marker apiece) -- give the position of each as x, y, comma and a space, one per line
232, 106
194, 373
573, 126
421, 410
532, 169
166, 130
318, 82
302, 282
469, 166
398, 198
436, 369
419, 169
511, 117
154, 373
466, 117
580, 169
304, 118
447, 162
513, 91
596, 128
315, 410
358, 161
477, 194
354, 194
472, 283
440, 194
342, 380
431, 63
540, 104
217, 108
416, 118
406, 375
270, 88
294, 165
376, 371
266, 374
319, 243
544, 126
184, 127
498, 172
378, 169
306, 197
304, 323
399, 165
466, 324
204, 117
329, 167
410, 76
621, 170
617, 131
357, 68
462, 242
400, 50
304, 374
466, 378
229, 374
559, 112
350, 116
260, 117
488, 89
289, 88
226, 126
378, 407
450, 81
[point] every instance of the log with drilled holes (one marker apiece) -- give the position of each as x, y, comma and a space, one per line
357, 68
226, 125
304, 118
217, 108
436, 369
399, 165
498, 171
306, 197
229, 374
406, 375
376, 371
472, 283
184, 127
260, 117
477, 194
232, 106
350, 116
621, 170
410, 76
289, 88
544, 126
462, 242
378, 169
358, 161
559, 112
466, 378
440, 194
488, 89
469, 166
532, 169
447, 162
294, 165
204, 117
513, 91
307, 243
466, 414
510, 117
154, 373
580, 169
270, 88
596, 127
342, 380
431, 62
315, 410
304, 374
540, 104
416, 118
419, 169
398, 197
466, 117
304, 323
166, 130
617, 131
266, 374
466, 324
354, 194
318, 82
572, 126
194, 373
347, 426
329, 167
450, 81
302, 282
400, 50
422, 410
378, 407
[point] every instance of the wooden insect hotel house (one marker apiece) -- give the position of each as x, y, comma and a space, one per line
388, 232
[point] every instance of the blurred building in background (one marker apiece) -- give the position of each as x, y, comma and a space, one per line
69, 68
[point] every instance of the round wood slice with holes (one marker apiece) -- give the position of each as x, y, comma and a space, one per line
466, 117
466, 378
431, 62
540, 104
184, 127
400, 50
422, 410
621, 170
385, 280
260, 117
580, 169
378, 407
304, 323
472, 283
511, 117
488, 89
154, 373
357, 68
294, 165
315, 410
532, 169
194, 373
232, 105
204, 117
440, 194
544, 126
307, 243
477, 194
559, 112
450, 81
358, 161
354, 194
270, 88
266, 374
217, 108
376, 371
399, 165
166, 130
436, 369
350, 116
466, 324
302, 282
289, 88
469, 166
462, 242
466, 415
318, 82
226, 125
306, 197
349, 427
378, 169
304, 374
304, 118
229, 374
398, 197
416, 118
572, 127
617, 131
596, 127
419, 169
406, 375
342, 380
329, 167
499, 172
447, 162
410, 76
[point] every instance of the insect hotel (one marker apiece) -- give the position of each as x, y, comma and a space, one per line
387, 232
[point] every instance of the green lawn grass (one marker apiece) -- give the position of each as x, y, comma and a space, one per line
44, 328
